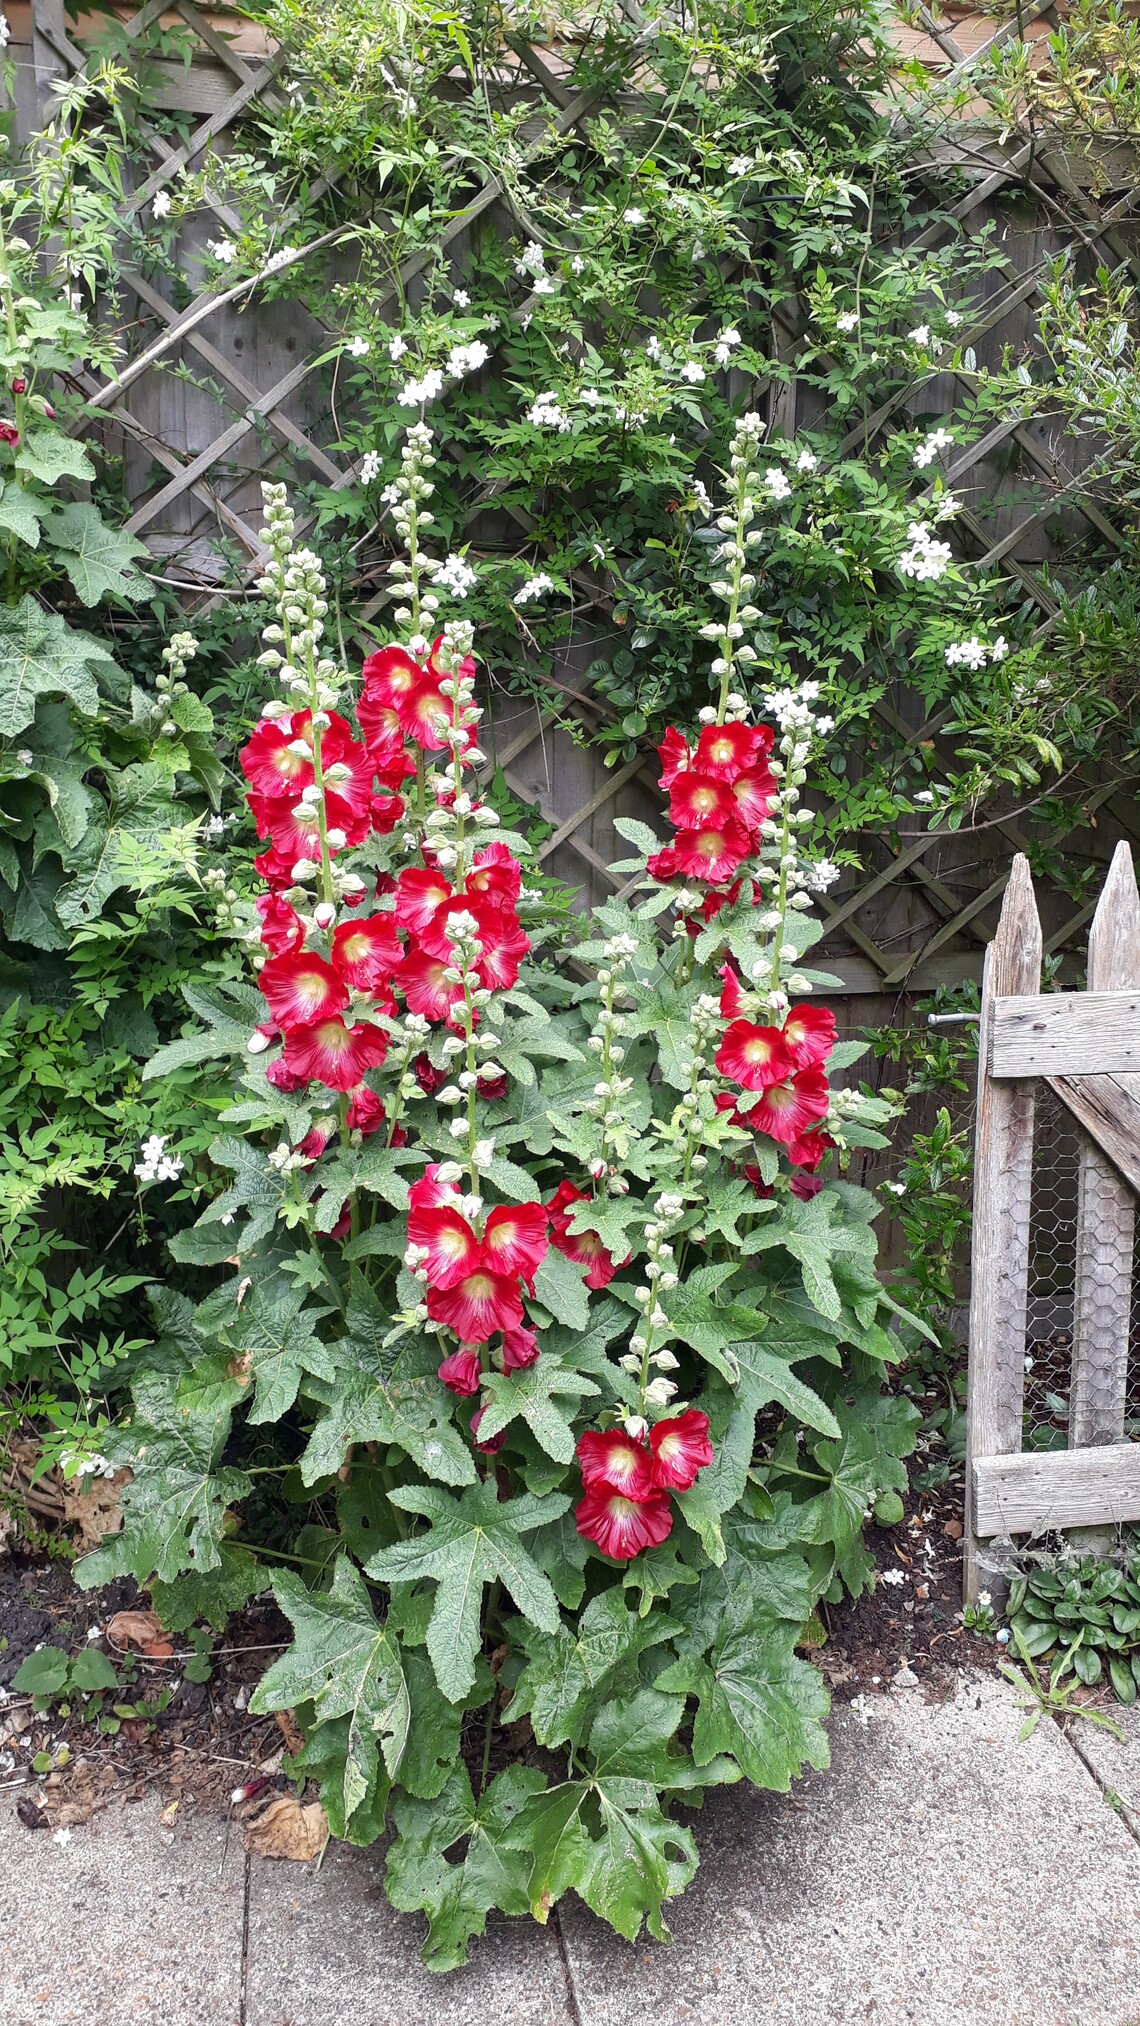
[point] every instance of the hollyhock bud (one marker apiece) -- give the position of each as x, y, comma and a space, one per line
520, 1348
9, 434
461, 1372
19, 384
494, 1443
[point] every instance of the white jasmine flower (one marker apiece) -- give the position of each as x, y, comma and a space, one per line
155, 1164
543, 285
952, 318
535, 587
633, 216
928, 449
223, 250
161, 205
946, 507
896, 1188
777, 482
807, 461
892, 1576
925, 798
693, 372
966, 653
653, 346
370, 468
590, 397
456, 576
417, 393
280, 259
925, 560
397, 347
740, 165
1000, 648
577, 265
461, 299
546, 412
359, 348
848, 321
920, 335
467, 358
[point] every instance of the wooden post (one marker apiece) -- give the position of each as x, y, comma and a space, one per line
1003, 1177
1106, 1212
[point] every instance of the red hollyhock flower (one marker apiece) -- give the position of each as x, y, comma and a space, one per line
809, 1035
334, 1054
755, 1179
385, 812
461, 1372
282, 930
429, 1078
275, 868
675, 756
714, 853
680, 1448
420, 893
429, 1193
425, 716
732, 992
753, 794
806, 1186
451, 1245
699, 802
520, 1348
301, 988
343, 1224
390, 758
728, 751
464, 672
420, 978
477, 1306
504, 942
713, 902
295, 832
514, 1239
283, 1078
381, 729
366, 953
752, 1056
811, 1151
585, 1248
492, 1088
616, 1460
273, 770
366, 1112
495, 872
787, 1110
621, 1526
316, 1140
388, 677
495, 1442
662, 864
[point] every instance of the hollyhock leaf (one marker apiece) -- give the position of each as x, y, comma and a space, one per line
532, 1394
560, 1287
656, 1573
764, 1375
457, 1895
473, 1540
279, 1343
638, 834
815, 1266
357, 1407
435, 1732
345, 1664
562, 1554
214, 1595
568, 1678
758, 1701
720, 1485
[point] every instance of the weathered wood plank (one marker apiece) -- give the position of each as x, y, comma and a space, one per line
1066, 1034
1108, 1107
1002, 1180
1106, 1205
1047, 1489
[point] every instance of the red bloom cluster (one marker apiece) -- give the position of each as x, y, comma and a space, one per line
720, 791
627, 1483
780, 1068
585, 1248
474, 1281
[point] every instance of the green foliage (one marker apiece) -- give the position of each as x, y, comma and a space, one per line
1089, 1607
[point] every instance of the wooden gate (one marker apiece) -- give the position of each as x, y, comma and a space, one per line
1086, 1045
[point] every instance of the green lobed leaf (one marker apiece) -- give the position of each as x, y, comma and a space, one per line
457, 1894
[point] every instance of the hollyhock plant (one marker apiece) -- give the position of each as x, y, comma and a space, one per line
537, 1267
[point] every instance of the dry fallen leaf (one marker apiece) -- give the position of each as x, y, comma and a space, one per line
286, 1827
141, 1629
953, 1530
290, 1730
93, 1505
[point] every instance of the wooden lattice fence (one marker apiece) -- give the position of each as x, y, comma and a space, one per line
1086, 1047
916, 916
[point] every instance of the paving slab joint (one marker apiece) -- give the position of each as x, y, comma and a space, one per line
243, 1992
1112, 1798
573, 2007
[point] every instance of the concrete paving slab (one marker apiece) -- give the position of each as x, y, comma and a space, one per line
1115, 1764
940, 1873
127, 1922
325, 1946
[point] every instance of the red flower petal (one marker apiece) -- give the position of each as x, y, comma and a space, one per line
699, 802
367, 952
461, 1372
388, 676
680, 1448
425, 716
787, 1110
429, 1078
520, 1348
753, 795
732, 992
452, 1247
675, 756
811, 1150
420, 978
334, 1054
282, 930
622, 1527
713, 854
419, 893
662, 864
809, 1035
301, 988
477, 1306
731, 750
615, 1459
753, 1056
585, 1248
495, 872
429, 1193
366, 1112
515, 1240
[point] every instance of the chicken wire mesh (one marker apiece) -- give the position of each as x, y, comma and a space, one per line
1051, 1283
